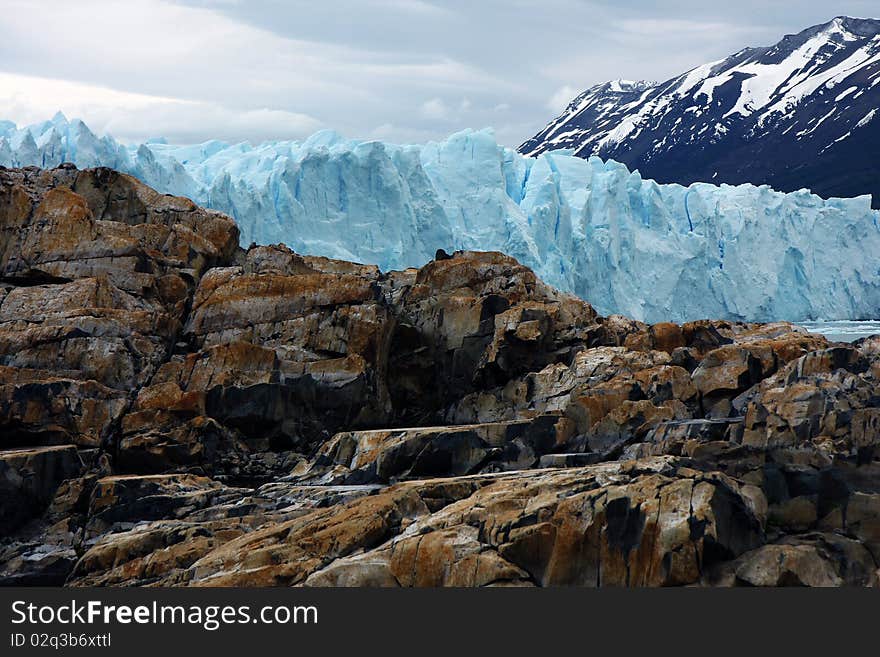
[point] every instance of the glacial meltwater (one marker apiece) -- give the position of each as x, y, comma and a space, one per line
844, 331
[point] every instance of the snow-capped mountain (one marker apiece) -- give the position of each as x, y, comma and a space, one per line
804, 113
627, 245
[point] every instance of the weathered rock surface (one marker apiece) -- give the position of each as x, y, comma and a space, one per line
97, 274
29, 478
387, 455
175, 410
647, 523
820, 560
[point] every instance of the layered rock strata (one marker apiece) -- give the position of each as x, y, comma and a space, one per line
177, 411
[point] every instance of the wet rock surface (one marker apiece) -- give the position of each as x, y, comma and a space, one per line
177, 411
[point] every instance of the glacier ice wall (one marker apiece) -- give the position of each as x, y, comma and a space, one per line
632, 246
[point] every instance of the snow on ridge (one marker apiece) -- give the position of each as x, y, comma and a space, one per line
809, 84
767, 81
866, 119
771, 81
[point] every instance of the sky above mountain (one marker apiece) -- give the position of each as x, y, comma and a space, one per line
400, 70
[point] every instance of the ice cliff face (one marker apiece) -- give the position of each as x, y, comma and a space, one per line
627, 245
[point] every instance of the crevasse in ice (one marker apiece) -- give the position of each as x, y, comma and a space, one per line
627, 245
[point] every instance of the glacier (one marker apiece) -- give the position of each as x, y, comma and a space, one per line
628, 245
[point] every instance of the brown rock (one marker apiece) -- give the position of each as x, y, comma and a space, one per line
815, 411
476, 320
665, 336
29, 479
37, 408
99, 272
387, 455
821, 560
642, 525
138, 338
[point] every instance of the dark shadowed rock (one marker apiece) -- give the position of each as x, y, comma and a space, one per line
29, 479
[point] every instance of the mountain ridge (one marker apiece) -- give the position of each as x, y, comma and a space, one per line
796, 114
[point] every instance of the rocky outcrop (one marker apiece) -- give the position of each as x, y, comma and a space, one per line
281, 352
177, 411
387, 455
98, 271
473, 321
29, 479
821, 560
649, 523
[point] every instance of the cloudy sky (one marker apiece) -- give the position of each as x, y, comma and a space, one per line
402, 70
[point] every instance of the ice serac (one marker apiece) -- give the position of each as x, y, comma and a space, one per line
627, 245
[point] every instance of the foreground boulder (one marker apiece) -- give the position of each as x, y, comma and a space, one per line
176, 410
620, 524
635, 523
387, 455
97, 271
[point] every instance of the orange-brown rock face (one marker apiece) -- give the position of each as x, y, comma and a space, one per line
98, 271
282, 352
177, 411
614, 524
476, 320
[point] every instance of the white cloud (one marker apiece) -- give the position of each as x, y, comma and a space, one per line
414, 6
561, 98
401, 134
405, 69
133, 117
666, 27
203, 74
435, 109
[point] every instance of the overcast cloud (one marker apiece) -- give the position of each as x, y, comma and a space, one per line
402, 70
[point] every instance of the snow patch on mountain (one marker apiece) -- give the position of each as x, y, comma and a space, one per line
867, 119
784, 115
